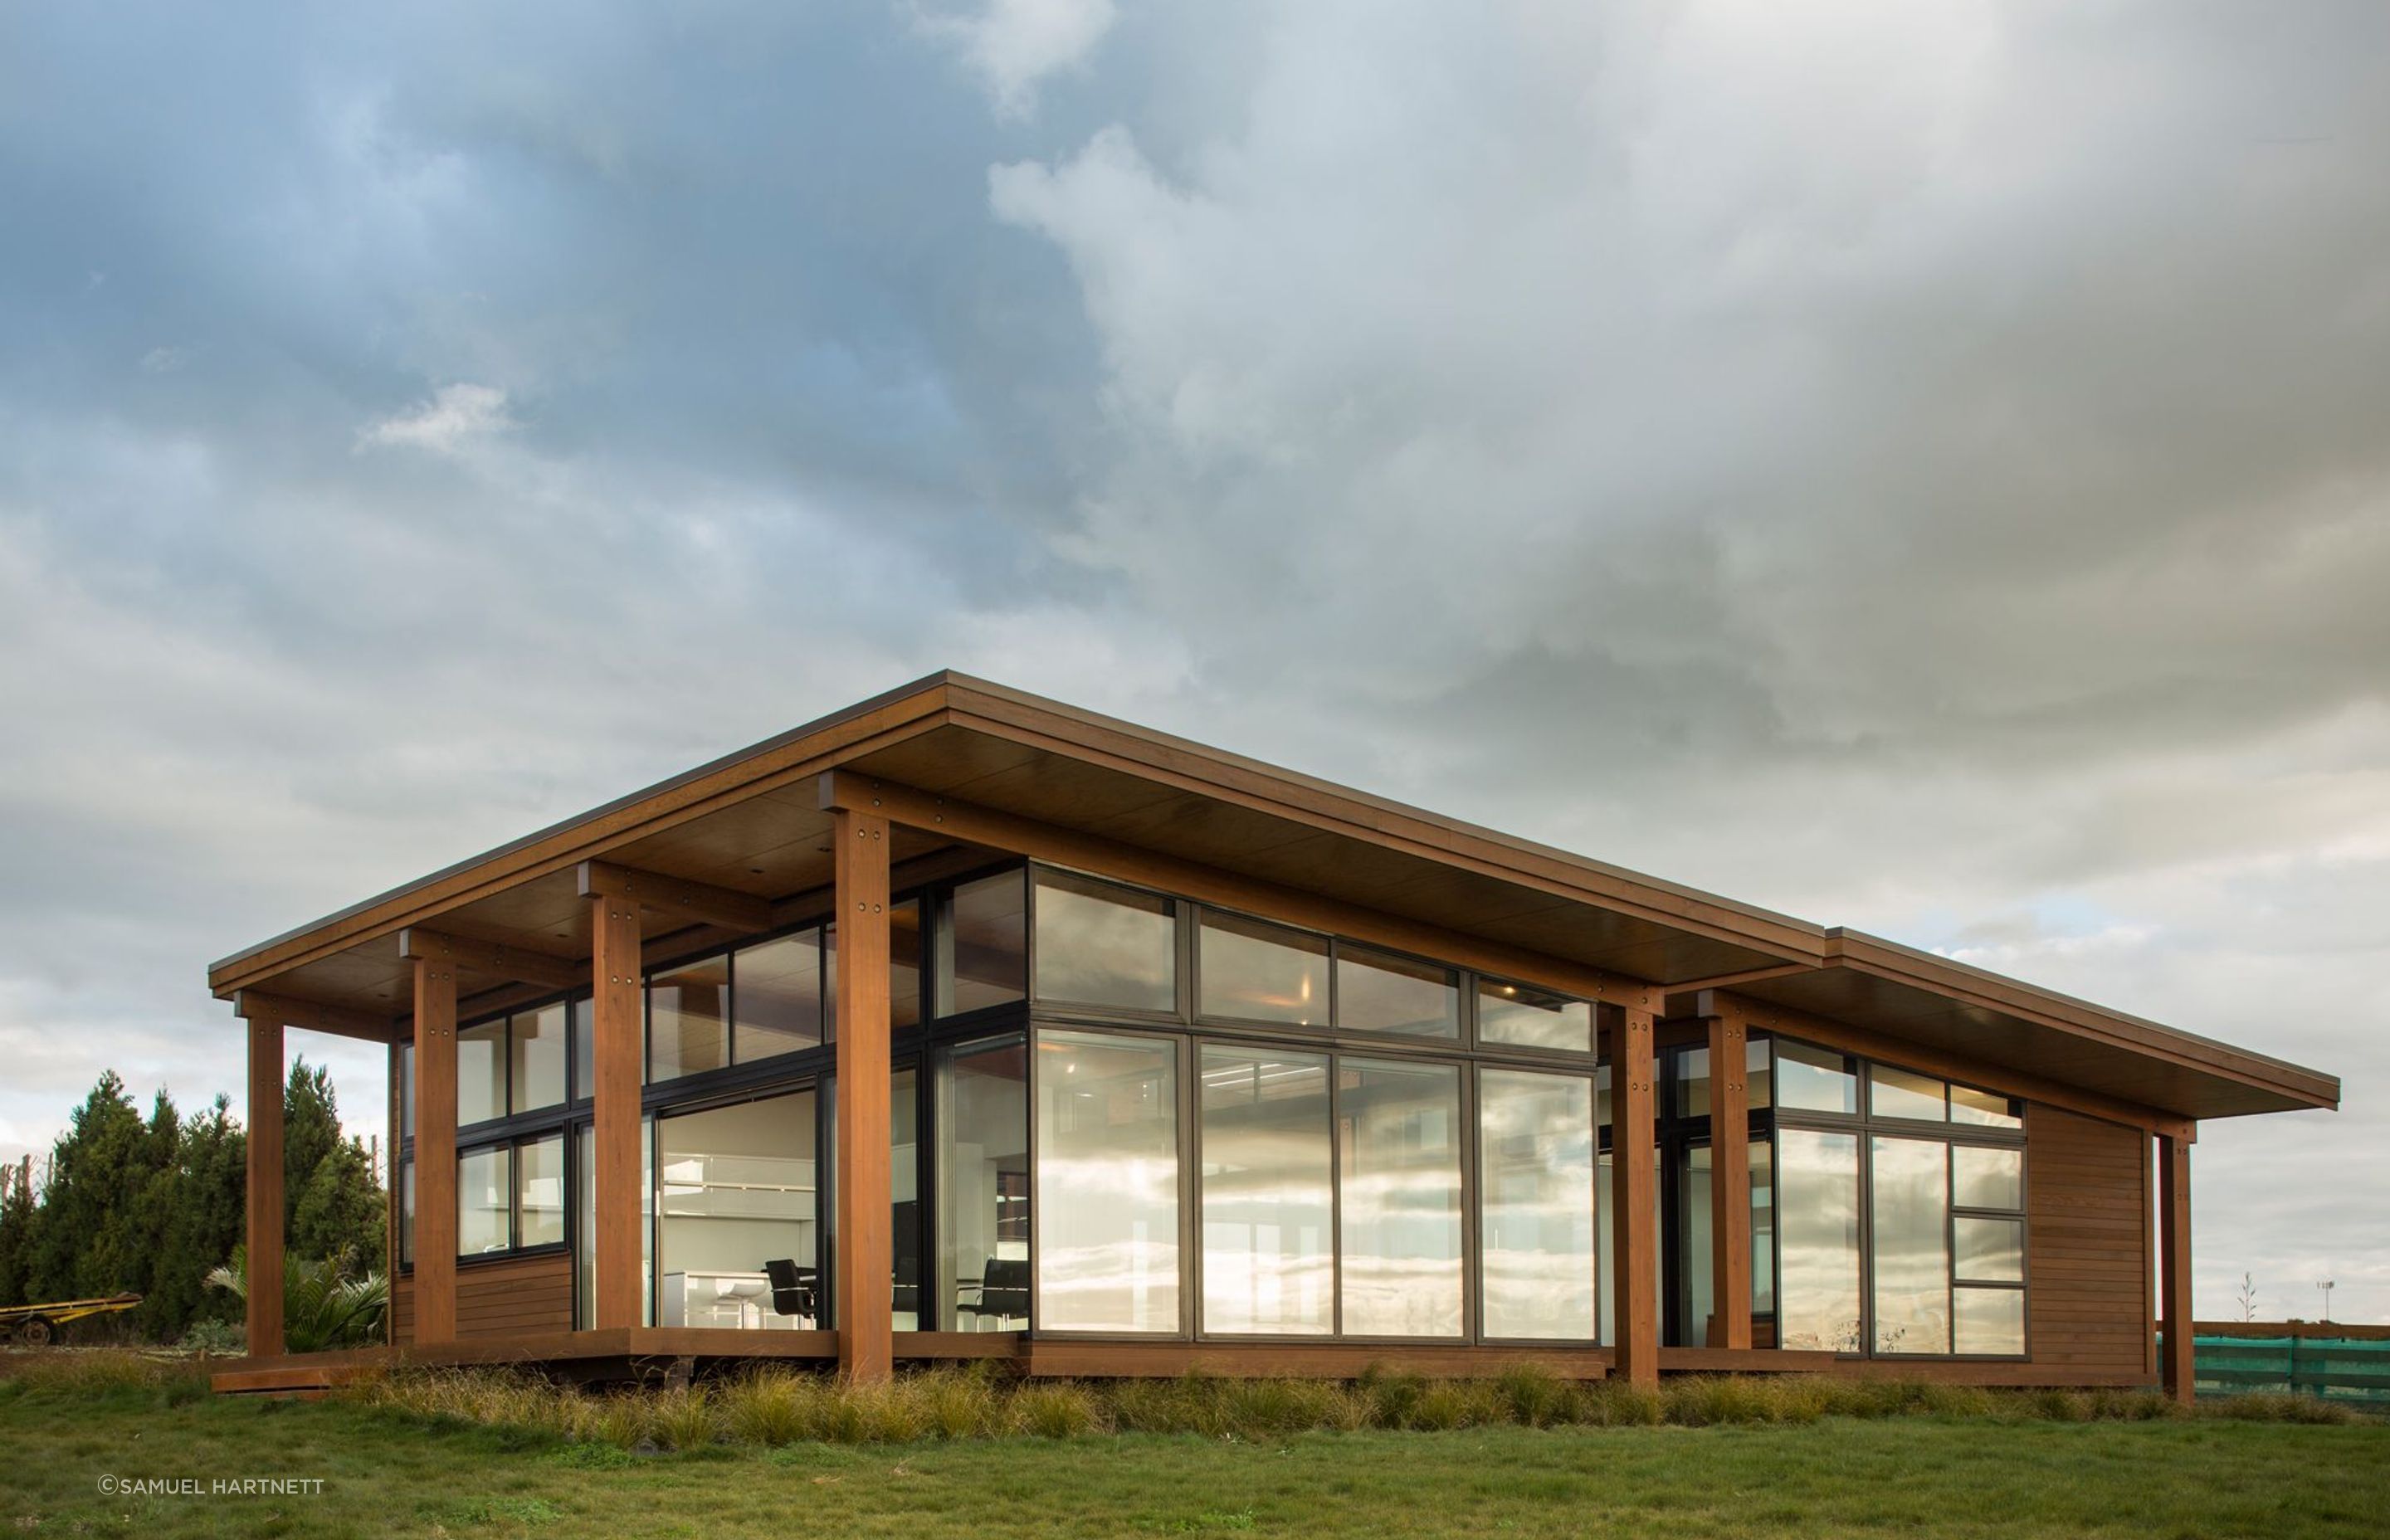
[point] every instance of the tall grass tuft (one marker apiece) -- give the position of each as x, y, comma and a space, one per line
1059, 1408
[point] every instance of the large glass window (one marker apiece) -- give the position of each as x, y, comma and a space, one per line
1909, 1184
904, 963
689, 1024
777, 997
1818, 1225
482, 1073
1525, 1017
539, 1192
1269, 1197
1985, 1176
1810, 1079
905, 1197
406, 1090
737, 1215
984, 946
1901, 1093
1107, 1183
1252, 970
484, 1201
1382, 991
1398, 1130
1535, 1184
1762, 1156
406, 1213
585, 1054
983, 1116
536, 1058
1102, 945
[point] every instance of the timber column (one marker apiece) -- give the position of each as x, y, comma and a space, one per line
1635, 1215
616, 1032
865, 1266
2175, 1356
1730, 1184
435, 1150
265, 1190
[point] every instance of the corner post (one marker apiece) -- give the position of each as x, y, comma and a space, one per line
1729, 1185
265, 1198
1635, 1215
616, 1035
2175, 1356
865, 1261
435, 1150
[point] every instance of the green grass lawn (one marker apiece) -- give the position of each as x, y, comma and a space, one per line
384, 1472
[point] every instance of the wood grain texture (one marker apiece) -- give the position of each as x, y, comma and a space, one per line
2175, 1370
1729, 1186
865, 1265
618, 1043
263, 1199
435, 1149
1634, 1218
496, 1301
2087, 1245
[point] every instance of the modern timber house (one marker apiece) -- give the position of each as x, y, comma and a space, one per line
966, 1024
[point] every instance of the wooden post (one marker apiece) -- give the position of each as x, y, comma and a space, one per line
617, 1036
1729, 1186
1636, 1233
264, 1196
435, 1151
864, 1268
2175, 1370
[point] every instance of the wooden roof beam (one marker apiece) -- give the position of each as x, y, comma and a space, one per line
257, 1005
676, 898
495, 959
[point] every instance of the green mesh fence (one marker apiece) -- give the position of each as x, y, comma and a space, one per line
2337, 1368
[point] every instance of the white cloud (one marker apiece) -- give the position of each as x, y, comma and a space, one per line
455, 417
1013, 45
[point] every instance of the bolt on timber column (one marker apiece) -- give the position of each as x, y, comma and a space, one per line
264, 1193
615, 1034
435, 1150
1635, 1217
865, 1267
2176, 1369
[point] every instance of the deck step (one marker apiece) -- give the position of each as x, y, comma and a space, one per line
312, 1382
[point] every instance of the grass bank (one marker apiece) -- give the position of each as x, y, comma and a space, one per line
389, 1468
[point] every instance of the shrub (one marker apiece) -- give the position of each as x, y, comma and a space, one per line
1058, 1409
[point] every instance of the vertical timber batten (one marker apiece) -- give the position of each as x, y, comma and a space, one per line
865, 1266
1635, 1217
1729, 1185
265, 1192
2175, 1354
435, 1150
617, 1034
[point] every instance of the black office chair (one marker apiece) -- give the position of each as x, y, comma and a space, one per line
1003, 1291
792, 1287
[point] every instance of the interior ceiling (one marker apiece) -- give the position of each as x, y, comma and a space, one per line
775, 846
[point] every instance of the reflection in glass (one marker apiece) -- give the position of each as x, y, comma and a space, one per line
982, 1117
737, 1192
984, 946
1252, 970
905, 1197
777, 992
407, 1213
484, 1201
584, 1053
1983, 1108
1101, 945
1990, 1320
1107, 1183
1398, 1128
1810, 1079
1694, 1257
687, 1029
1528, 1017
1909, 1184
1988, 1250
1268, 1195
482, 1073
1759, 1085
1380, 992
406, 1089
538, 1057
539, 1192
1535, 1174
1818, 1218
1986, 1178
904, 963
1689, 1069
1762, 1225
585, 1204
1899, 1093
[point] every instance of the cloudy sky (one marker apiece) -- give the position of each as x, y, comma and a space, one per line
1919, 468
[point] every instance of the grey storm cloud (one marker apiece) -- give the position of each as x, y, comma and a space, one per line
1924, 469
